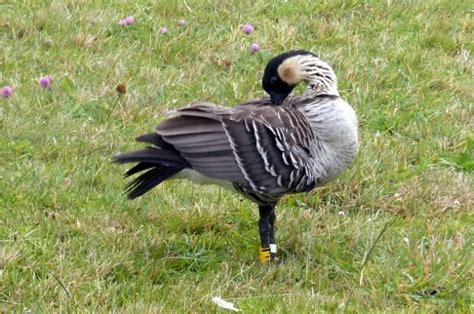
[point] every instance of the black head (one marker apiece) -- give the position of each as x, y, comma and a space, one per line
272, 83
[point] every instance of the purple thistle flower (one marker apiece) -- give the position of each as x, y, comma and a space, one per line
6, 91
163, 30
254, 47
45, 81
129, 20
247, 28
182, 22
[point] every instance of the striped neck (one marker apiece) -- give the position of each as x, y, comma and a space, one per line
319, 76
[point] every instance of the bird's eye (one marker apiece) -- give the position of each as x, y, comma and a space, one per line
274, 80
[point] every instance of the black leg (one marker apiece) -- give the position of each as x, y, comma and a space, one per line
273, 246
267, 233
271, 220
264, 225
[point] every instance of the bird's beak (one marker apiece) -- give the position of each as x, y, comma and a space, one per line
277, 99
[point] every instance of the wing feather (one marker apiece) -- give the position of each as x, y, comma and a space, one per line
197, 133
273, 145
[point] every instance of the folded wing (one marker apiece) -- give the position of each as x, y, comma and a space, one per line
256, 146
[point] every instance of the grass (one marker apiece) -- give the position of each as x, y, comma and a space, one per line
70, 241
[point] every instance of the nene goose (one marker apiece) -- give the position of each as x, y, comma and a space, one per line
264, 148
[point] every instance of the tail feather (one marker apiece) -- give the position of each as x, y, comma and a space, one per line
149, 180
138, 168
156, 163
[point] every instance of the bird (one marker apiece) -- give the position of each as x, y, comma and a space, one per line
263, 148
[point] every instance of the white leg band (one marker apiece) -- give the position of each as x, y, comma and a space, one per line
273, 248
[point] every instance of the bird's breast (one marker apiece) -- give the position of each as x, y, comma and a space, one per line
336, 139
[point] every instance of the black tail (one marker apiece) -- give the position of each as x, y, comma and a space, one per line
161, 163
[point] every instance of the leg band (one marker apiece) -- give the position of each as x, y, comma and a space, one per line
264, 255
273, 248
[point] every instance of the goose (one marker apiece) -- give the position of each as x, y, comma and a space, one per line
262, 149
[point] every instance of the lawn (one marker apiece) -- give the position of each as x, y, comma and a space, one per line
394, 233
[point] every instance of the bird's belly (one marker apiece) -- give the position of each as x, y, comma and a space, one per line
199, 178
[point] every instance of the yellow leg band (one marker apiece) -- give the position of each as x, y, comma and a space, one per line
264, 255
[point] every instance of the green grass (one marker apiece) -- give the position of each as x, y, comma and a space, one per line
70, 241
